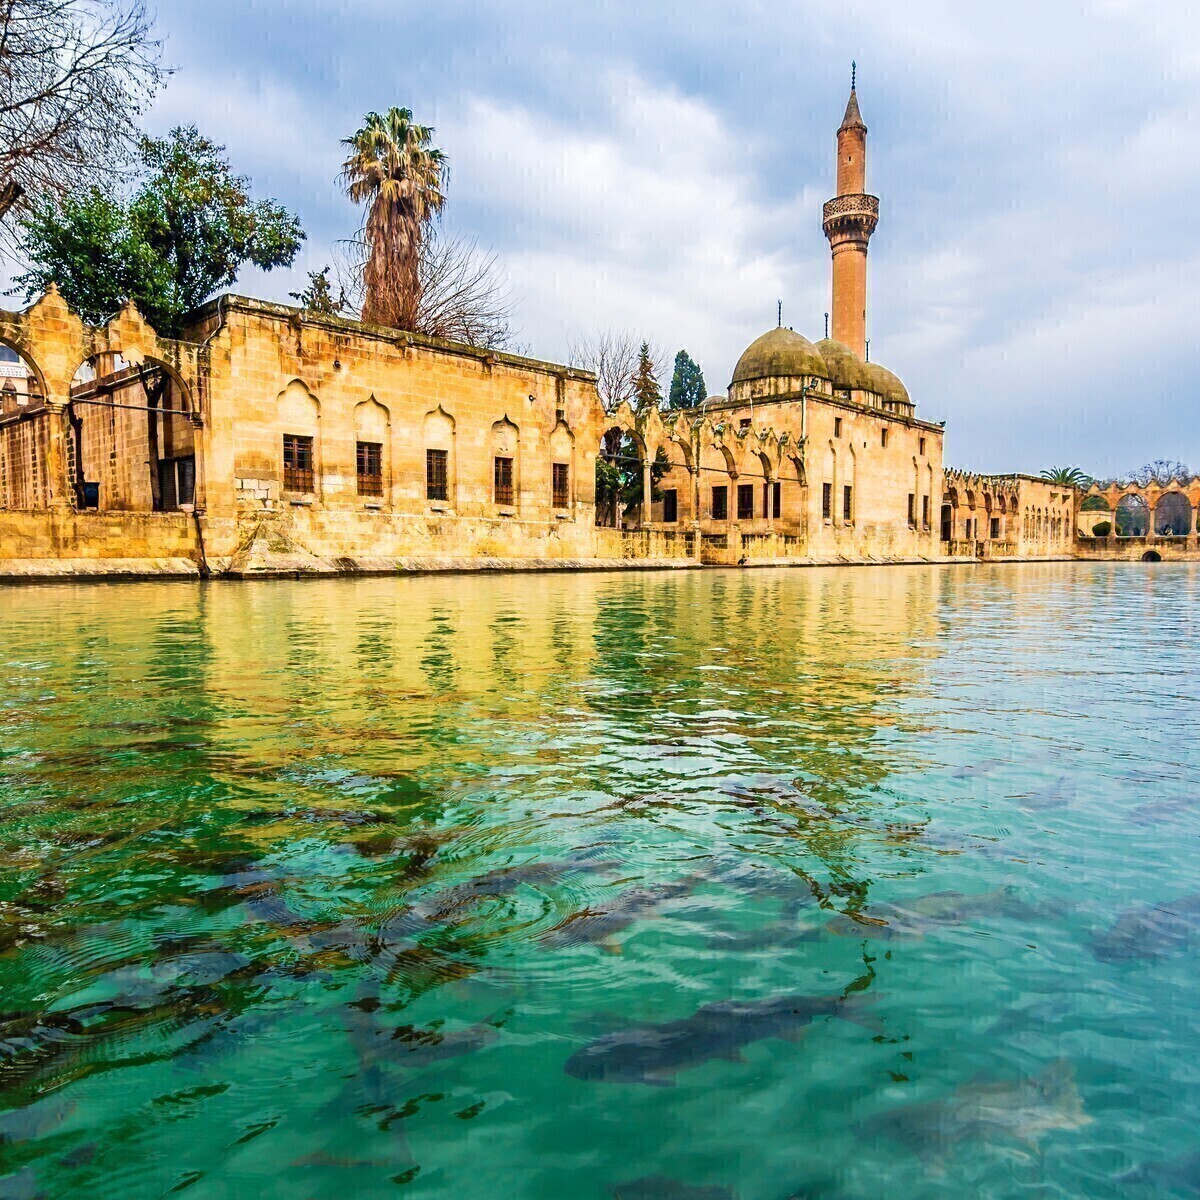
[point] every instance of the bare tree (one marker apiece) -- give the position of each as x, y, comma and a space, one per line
612, 356
464, 295
75, 76
1161, 471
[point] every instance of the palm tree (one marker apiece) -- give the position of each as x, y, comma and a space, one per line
395, 170
1074, 477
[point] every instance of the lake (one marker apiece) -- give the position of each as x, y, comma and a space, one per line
765, 884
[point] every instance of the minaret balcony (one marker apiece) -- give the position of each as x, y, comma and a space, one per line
852, 214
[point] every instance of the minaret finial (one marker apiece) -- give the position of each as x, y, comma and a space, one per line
779, 314
853, 73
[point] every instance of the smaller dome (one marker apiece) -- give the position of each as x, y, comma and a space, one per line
846, 369
887, 384
779, 353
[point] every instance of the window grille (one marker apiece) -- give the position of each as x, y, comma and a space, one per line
561, 480
720, 503
925, 511
776, 500
847, 503
912, 509
297, 463
437, 475
745, 501
827, 500
670, 506
503, 478
370, 468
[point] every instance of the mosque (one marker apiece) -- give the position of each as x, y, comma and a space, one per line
270, 440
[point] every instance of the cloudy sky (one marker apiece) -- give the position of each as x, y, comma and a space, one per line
661, 167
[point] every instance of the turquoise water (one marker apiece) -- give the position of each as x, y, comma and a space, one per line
842, 884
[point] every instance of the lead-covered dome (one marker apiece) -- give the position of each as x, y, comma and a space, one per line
846, 369
887, 384
779, 353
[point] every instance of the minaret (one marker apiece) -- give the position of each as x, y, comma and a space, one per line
850, 219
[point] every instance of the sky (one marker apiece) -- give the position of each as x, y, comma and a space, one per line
660, 168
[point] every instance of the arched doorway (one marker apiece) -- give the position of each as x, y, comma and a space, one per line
619, 478
1152, 556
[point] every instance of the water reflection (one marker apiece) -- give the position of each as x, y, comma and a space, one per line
408, 883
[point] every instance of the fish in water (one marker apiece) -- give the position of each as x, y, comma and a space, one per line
655, 1053
916, 917
590, 926
1152, 931
659, 1187
986, 767
1061, 794
1179, 1175
1155, 811
413, 1047
1018, 1111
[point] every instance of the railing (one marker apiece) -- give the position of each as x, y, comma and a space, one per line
859, 204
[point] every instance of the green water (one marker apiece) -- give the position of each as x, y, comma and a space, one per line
421, 887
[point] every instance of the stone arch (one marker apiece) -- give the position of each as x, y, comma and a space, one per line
1172, 515
439, 448
679, 479
131, 434
1131, 515
619, 467
506, 464
372, 449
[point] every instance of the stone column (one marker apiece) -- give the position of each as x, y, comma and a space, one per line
58, 484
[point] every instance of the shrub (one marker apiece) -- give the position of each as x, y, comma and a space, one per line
1102, 529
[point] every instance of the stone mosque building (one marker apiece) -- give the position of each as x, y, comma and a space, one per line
268, 440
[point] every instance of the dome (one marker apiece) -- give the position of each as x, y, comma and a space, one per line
846, 369
887, 384
779, 353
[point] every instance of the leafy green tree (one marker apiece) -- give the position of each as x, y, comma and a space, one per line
647, 393
687, 383
181, 234
1067, 476
318, 298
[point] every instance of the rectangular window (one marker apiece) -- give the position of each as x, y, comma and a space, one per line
744, 423
561, 480
925, 511
827, 501
837, 426
720, 503
437, 474
503, 477
883, 437
670, 506
297, 463
745, 497
912, 509
847, 503
921, 450
369, 462
995, 527
777, 500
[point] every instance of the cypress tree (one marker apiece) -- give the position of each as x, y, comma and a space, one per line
687, 383
645, 385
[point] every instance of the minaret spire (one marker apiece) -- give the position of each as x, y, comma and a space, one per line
850, 219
